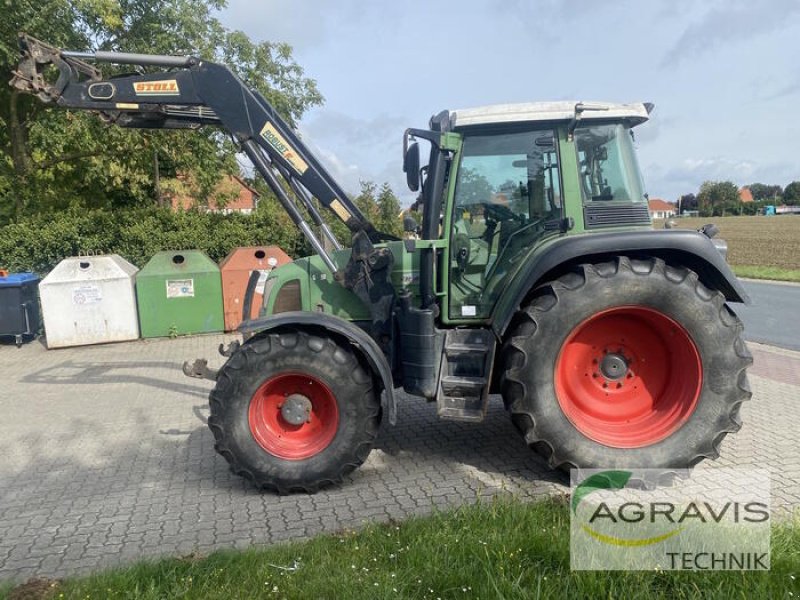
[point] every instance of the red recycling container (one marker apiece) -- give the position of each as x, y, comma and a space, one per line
236, 269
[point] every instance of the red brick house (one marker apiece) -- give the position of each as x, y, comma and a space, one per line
661, 209
238, 194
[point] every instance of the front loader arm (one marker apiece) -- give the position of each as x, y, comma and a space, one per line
190, 93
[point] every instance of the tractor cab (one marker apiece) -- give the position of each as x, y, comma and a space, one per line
518, 176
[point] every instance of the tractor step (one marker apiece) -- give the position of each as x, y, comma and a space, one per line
459, 348
460, 386
465, 373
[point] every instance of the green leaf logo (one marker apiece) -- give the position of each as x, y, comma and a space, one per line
611, 480
607, 480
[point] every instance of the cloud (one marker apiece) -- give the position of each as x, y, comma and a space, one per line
652, 130
346, 173
366, 132
788, 90
355, 149
730, 21
303, 24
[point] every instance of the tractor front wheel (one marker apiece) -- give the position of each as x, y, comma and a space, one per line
294, 411
629, 363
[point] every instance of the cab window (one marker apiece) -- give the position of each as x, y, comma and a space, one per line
507, 196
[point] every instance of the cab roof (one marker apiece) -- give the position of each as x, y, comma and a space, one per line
635, 113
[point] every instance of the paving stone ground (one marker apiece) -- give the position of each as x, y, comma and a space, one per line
106, 459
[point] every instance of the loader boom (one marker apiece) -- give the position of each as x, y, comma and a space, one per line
189, 93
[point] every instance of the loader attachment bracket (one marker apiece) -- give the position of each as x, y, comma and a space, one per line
199, 370
30, 75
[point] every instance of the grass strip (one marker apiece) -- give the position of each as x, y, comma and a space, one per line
775, 273
501, 548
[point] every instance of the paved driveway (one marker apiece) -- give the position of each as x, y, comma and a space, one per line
106, 459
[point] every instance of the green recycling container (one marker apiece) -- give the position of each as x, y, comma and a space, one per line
179, 293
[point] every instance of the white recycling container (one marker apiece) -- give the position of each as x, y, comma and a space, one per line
89, 300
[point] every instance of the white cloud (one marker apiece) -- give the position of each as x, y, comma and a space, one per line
356, 149
731, 22
304, 24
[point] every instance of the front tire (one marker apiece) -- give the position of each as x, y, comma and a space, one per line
294, 411
629, 363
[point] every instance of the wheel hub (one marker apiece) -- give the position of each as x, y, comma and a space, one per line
614, 366
628, 376
296, 410
293, 415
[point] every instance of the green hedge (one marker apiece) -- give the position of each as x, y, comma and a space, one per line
39, 243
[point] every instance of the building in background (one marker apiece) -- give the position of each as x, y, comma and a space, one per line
235, 195
661, 209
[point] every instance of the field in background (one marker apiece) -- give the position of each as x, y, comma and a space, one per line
763, 247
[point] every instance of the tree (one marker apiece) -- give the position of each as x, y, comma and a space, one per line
389, 220
687, 202
366, 201
763, 191
53, 158
791, 195
718, 197
473, 188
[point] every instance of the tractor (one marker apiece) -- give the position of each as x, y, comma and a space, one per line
534, 273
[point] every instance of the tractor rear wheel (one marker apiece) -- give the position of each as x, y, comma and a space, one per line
628, 363
294, 411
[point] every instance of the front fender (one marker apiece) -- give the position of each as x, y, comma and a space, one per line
691, 249
355, 335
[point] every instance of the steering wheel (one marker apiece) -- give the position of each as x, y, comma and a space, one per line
499, 212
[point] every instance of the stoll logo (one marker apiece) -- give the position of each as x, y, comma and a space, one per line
166, 87
652, 519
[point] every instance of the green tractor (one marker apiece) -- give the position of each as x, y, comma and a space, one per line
534, 273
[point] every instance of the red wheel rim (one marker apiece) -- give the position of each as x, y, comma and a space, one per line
628, 377
278, 436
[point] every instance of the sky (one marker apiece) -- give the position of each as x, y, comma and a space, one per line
724, 76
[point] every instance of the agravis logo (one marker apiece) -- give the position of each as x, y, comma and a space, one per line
718, 520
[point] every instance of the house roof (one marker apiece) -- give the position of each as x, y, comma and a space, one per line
745, 195
243, 196
657, 204
246, 185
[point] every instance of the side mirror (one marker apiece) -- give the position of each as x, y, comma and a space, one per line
411, 166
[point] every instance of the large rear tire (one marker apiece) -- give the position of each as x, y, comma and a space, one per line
628, 363
294, 411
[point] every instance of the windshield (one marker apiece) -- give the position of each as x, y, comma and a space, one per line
608, 167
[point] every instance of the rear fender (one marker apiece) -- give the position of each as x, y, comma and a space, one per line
688, 248
310, 321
